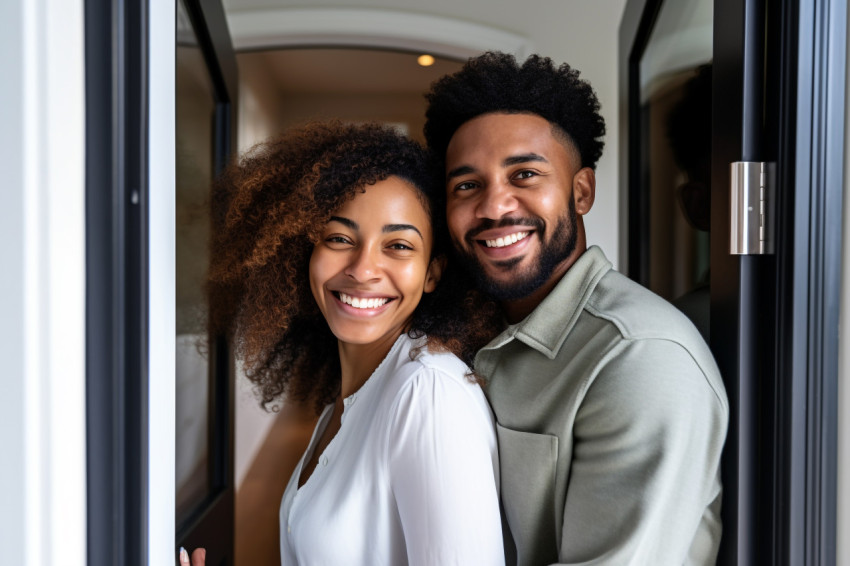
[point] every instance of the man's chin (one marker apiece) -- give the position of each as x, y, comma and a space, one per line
508, 286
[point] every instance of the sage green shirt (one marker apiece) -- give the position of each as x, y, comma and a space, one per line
611, 420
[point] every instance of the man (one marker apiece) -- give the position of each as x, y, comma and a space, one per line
611, 411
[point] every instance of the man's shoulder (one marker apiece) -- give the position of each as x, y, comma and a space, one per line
652, 328
637, 312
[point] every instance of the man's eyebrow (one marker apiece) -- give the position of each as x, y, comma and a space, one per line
399, 227
523, 158
512, 160
345, 222
458, 171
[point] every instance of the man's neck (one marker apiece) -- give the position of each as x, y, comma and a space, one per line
516, 310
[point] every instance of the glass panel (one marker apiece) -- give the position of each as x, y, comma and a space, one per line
195, 118
675, 91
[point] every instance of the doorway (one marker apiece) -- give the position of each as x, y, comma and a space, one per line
282, 88
775, 78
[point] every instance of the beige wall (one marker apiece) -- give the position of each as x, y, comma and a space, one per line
259, 117
407, 109
259, 104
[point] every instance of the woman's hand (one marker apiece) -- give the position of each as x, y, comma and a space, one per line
199, 557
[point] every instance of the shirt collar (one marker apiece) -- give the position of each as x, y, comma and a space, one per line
548, 325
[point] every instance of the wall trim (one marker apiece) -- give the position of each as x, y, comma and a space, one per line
281, 28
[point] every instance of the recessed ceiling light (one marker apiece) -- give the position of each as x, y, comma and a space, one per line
425, 60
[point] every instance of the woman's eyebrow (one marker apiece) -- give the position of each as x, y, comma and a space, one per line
345, 222
386, 229
400, 227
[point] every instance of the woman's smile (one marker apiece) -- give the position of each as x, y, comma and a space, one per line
362, 303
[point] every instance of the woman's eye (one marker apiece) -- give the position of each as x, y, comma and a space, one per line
400, 246
337, 240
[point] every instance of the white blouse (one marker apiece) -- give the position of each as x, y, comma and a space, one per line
410, 478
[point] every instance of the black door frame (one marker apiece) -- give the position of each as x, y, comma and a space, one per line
773, 318
812, 48
117, 256
211, 525
116, 80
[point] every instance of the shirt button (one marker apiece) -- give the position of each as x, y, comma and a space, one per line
289, 528
324, 460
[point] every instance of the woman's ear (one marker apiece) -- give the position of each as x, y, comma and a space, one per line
435, 271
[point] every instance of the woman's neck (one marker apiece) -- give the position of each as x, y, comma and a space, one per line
358, 362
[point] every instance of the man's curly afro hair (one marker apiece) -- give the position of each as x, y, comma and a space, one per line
269, 210
495, 82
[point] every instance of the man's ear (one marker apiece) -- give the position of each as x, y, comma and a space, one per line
435, 271
584, 190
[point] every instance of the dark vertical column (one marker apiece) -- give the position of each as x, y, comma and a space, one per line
808, 286
740, 311
116, 280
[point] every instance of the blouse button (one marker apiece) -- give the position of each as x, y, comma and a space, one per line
324, 460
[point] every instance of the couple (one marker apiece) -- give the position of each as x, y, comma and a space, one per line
334, 275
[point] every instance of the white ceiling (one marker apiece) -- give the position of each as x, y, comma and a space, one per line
527, 17
362, 71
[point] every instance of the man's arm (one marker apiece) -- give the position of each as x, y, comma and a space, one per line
644, 482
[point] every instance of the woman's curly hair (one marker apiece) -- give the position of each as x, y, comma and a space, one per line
269, 210
495, 82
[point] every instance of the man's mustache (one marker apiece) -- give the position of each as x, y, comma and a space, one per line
489, 224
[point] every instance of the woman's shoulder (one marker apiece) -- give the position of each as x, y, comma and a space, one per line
428, 385
419, 359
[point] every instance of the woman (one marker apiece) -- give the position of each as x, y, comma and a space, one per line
329, 273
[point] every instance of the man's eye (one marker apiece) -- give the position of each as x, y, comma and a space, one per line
465, 186
525, 174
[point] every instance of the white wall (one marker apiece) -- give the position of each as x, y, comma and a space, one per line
42, 286
161, 282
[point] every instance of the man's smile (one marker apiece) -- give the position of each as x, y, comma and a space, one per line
501, 242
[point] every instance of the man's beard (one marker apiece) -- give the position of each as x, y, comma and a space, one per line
552, 252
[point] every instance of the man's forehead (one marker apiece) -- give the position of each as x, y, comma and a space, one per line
507, 134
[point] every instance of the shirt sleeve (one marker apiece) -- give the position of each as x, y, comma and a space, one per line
442, 466
644, 483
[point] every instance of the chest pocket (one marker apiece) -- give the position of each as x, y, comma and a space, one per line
528, 463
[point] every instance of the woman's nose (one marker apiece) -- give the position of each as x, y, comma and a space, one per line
364, 265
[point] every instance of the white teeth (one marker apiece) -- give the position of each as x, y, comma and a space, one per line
507, 240
363, 303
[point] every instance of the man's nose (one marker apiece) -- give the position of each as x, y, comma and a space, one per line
497, 200
365, 264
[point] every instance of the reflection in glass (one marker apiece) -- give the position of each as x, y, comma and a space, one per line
675, 90
195, 111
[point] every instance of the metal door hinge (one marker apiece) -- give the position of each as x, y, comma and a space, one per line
753, 204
